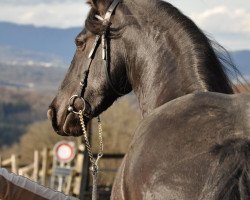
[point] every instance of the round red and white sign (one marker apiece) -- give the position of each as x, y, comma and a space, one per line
64, 151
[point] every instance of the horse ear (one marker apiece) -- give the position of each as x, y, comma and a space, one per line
99, 5
92, 3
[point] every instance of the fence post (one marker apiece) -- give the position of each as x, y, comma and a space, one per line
44, 166
36, 166
14, 164
69, 182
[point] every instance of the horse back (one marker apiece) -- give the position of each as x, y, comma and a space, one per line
169, 157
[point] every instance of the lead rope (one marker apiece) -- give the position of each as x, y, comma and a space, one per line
94, 162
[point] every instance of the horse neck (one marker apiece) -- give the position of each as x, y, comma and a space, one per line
171, 61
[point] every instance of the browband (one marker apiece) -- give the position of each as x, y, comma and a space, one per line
109, 12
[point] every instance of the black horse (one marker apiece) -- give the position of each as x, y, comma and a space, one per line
193, 142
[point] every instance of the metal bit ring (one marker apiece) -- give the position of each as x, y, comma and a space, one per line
71, 107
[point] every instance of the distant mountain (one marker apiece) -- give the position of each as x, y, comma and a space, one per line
58, 42
242, 60
44, 46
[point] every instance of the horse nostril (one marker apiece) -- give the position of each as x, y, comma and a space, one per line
50, 114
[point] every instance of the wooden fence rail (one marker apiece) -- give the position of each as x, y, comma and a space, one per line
11, 163
40, 170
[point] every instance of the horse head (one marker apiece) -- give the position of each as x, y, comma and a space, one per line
97, 75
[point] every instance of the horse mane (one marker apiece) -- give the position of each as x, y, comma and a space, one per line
236, 78
230, 178
217, 61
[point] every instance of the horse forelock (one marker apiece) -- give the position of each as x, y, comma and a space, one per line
95, 26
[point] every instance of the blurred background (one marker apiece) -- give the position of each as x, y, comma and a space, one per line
36, 48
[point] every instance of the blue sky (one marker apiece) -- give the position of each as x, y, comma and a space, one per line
227, 21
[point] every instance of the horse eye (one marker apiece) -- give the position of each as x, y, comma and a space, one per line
80, 42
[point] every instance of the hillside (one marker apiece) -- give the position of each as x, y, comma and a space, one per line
35, 76
19, 109
14, 56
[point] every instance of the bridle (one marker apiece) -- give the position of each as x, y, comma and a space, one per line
83, 84
100, 39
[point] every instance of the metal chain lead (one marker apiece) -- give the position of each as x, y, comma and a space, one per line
94, 162
100, 137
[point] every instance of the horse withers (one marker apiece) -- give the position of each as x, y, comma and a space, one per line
193, 142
